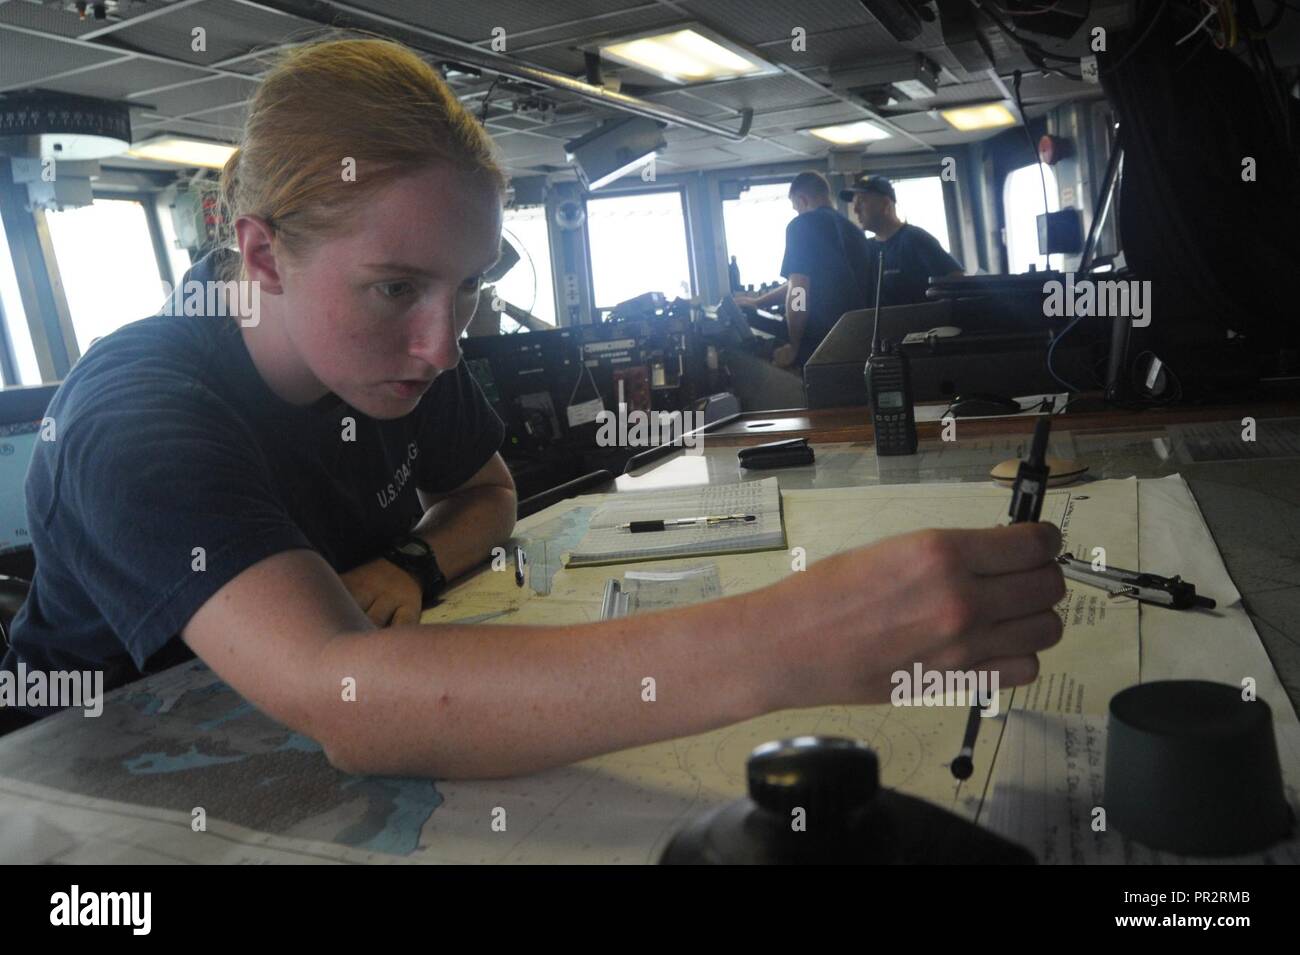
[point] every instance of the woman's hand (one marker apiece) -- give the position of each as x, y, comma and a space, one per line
783, 357
948, 599
387, 594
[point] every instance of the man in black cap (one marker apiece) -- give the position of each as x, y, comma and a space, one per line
827, 264
910, 254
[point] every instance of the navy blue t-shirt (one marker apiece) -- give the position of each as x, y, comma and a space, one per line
167, 439
912, 257
829, 249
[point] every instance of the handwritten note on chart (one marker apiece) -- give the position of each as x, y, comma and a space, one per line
1050, 780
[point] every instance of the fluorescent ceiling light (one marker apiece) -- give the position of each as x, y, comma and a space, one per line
182, 152
686, 55
984, 116
846, 134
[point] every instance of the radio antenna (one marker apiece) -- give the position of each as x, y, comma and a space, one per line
880, 275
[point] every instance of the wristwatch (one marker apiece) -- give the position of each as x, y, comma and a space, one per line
415, 556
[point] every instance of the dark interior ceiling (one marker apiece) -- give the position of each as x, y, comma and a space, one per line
142, 55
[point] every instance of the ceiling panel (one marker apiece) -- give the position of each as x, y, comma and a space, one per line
232, 116
193, 97
849, 45
475, 21
231, 29
776, 152
644, 16
804, 143
55, 20
200, 128
119, 80
700, 157
251, 67
755, 23
27, 59
788, 120
767, 92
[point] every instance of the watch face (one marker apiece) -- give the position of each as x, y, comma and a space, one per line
414, 547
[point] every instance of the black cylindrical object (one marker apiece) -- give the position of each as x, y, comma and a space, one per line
1193, 768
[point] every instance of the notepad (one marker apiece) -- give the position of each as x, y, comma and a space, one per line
606, 543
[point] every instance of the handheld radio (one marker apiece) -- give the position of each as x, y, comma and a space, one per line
889, 388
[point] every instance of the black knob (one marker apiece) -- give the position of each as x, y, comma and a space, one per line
827, 776
848, 817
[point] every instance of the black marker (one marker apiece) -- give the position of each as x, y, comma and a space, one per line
521, 561
1027, 496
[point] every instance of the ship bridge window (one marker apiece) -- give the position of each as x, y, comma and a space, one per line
638, 244
755, 231
1022, 204
107, 263
528, 285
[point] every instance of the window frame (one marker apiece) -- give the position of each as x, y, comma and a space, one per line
40, 286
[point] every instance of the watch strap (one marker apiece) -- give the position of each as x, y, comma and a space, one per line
423, 566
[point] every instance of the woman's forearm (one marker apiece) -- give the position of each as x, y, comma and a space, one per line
489, 701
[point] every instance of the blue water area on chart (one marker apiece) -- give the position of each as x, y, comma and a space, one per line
150, 763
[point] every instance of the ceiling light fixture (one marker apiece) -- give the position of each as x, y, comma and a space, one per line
846, 134
182, 152
686, 54
982, 116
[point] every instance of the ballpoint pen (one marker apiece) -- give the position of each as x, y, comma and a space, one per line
640, 527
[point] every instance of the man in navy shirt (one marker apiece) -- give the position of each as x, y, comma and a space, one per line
911, 255
826, 262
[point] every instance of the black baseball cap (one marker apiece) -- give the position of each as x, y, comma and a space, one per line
867, 183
